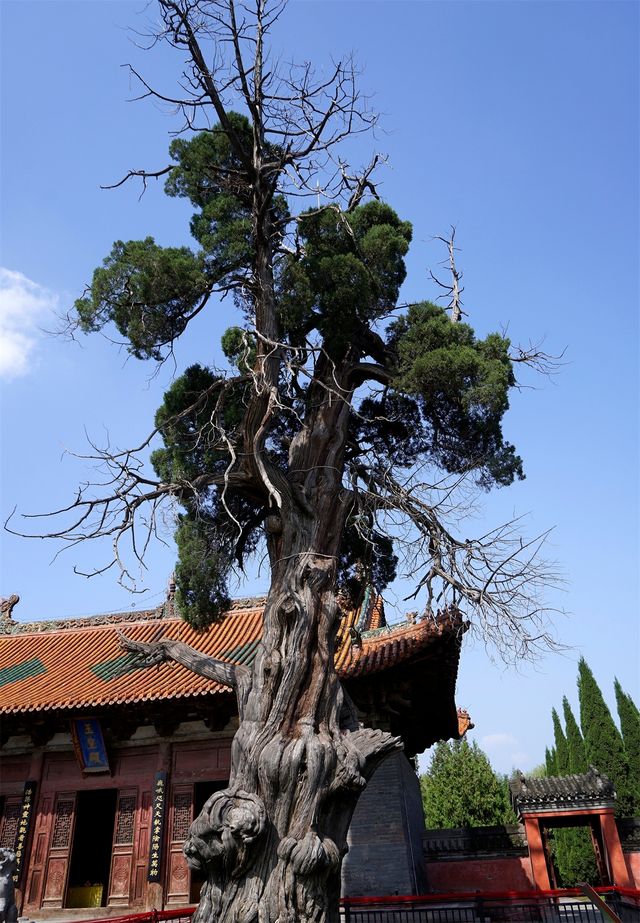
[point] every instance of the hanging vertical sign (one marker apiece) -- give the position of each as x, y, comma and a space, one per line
88, 744
158, 810
24, 825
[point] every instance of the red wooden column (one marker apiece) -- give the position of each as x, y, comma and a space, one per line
537, 853
155, 891
613, 850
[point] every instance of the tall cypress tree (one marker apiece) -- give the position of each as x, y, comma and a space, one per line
561, 840
602, 739
550, 761
577, 756
630, 727
579, 862
561, 748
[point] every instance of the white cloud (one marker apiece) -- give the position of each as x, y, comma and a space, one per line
491, 741
521, 760
505, 752
24, 305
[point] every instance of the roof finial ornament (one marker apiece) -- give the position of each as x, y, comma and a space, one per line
171, 587
464, 722
7, 606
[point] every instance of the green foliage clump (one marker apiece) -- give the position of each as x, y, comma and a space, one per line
348, 273
201, 573
184, 421
460, 788
207, 173
147, 291
192, 458
462, 386
366, 559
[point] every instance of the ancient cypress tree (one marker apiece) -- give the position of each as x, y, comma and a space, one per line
629, 717
602, 739
338, 430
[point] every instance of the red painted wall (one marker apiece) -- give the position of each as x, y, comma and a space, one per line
509, 874
633, 864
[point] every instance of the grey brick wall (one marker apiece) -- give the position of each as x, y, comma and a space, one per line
385, 837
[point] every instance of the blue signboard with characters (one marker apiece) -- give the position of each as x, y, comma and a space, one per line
88, 744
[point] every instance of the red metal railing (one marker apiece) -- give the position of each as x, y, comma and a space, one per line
182, 914
449, 907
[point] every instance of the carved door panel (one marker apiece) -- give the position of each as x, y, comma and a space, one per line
10, 820
122, 852
43, 823
141, 850
57, 862
180, 817
9, 824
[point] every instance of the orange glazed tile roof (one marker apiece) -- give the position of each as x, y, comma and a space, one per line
80, 664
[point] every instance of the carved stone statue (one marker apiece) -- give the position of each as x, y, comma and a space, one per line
8, 909
8, 605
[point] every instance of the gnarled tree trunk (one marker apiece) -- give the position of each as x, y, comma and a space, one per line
272, 844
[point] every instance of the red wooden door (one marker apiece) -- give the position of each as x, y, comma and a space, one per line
57, 861
180, 817
43, 822
141, 850
124, 832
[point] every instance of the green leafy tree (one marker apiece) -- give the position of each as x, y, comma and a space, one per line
460, 788
629, 717
603, 741
323, 437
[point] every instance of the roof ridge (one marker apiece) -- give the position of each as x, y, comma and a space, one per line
164, 612
431, 625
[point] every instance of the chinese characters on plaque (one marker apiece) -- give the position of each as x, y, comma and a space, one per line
158, 809
26, 813
88, 744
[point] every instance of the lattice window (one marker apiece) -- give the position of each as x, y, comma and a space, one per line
9, 826
126, 819
181, 815
62, 827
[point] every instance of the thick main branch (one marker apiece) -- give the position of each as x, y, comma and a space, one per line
157, 652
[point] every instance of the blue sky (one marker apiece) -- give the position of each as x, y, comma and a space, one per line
518, 122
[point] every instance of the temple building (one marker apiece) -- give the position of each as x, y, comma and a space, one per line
103, 765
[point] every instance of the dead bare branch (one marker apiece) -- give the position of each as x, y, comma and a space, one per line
453, 289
